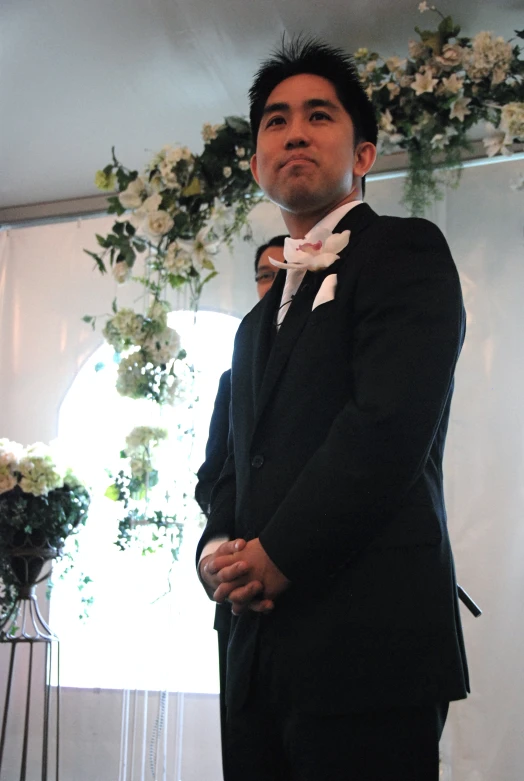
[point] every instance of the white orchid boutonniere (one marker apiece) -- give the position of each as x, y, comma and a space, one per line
302, 255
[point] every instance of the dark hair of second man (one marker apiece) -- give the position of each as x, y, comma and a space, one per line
276, 241
307, 55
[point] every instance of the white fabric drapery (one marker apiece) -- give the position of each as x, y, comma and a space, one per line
47, 284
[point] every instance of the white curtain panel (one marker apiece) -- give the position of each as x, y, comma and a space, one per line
47, 284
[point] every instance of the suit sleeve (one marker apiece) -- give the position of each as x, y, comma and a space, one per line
408, 328
222, 491
216, 448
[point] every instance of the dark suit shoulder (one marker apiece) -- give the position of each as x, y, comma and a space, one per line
415, 233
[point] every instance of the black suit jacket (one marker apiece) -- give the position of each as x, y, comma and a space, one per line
338, 431
209, 472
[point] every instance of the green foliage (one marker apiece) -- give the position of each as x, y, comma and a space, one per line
44, 520
427, 103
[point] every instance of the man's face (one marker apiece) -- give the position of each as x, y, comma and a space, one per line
266, 272
305, 147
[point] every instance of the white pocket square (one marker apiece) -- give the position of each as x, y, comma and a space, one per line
326, 292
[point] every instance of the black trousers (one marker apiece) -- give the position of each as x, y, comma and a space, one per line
223, 639
270, 740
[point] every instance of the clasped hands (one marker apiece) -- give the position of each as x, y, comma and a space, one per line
242, 573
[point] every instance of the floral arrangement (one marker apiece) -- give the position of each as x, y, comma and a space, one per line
427, 102
40, 501
134, 486
175, 215
146, 349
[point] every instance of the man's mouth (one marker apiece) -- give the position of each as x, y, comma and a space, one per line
297, 159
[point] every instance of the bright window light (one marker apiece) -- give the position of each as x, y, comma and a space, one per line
136, 635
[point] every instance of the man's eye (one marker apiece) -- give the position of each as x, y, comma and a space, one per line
320, 115
275, 121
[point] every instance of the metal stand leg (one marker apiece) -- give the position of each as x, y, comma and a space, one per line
32, 687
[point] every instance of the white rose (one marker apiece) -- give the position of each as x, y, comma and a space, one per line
244, 165
132, 197
227, 171
157, 224
121, 272
451, 56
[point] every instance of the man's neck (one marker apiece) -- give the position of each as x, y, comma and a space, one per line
300, 224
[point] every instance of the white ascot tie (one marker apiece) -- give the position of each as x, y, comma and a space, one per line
317, 250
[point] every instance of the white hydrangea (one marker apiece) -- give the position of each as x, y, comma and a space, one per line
38, 471
209, 132
7, 479
130, 375
163, 347
158, 311
486, 55
129, 324
144, 436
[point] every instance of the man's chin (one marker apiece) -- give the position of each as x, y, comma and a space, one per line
301, 201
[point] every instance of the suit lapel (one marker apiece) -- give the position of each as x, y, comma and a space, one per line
263, 337
269, 363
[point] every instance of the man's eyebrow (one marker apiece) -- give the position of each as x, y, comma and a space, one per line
311, 103
321, 103
271, 107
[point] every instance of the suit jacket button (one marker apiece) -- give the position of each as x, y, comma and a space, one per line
257, 461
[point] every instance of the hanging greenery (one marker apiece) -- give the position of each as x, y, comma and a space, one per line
428, 102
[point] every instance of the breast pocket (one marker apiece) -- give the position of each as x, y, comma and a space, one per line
321, 313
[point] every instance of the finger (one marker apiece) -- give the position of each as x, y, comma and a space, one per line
247, 593
227, 574
216, 563
261, 605
224, 589
238, 609
231, 546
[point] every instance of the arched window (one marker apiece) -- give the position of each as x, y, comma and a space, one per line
137, 636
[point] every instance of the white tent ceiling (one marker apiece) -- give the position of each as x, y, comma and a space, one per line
79, 76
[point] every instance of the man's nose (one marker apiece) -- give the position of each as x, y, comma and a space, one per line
297, 136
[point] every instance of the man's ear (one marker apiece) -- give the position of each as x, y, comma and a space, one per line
365, 156
254, 168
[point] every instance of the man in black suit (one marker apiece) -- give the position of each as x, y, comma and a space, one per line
216, 455
346, 647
